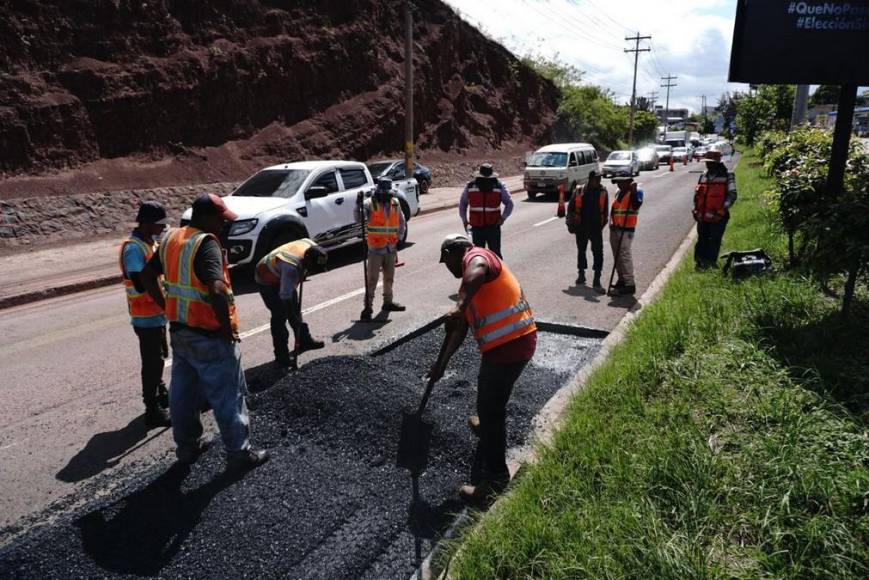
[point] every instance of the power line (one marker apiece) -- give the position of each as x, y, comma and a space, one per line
607, 16
582, 30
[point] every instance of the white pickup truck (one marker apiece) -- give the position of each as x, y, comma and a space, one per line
307, 199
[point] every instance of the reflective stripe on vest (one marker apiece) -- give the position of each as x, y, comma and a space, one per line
267, 270
484, 207
382, 230
139, 304
187, 298
623, 215
709, 197
499, 312
601, 202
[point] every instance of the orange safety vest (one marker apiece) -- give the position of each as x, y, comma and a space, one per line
623, 215
187, 298
139, 304
498, 312
601, 202
382, 230
268, 271
709, 197
485, 207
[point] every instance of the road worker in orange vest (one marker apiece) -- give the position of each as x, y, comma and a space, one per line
623, 223
278, 275
491, 303
480, 206
384, 227
587, 215
203, 326
146, 316
713, 196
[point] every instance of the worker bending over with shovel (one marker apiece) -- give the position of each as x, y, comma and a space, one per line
492, 304
279, 275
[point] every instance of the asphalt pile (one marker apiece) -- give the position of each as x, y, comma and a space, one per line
331, 503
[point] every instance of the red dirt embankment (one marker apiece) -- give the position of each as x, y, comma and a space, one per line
123, 94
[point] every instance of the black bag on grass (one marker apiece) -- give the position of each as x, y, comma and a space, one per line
747, 264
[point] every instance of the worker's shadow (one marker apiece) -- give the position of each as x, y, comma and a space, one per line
264, 376
141, 533
587, 293
363, 330
105, 450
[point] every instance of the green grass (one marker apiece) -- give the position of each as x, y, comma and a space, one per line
726, 437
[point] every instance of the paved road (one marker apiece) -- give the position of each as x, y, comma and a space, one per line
71, 408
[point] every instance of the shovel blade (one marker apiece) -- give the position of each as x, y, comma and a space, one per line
413, 443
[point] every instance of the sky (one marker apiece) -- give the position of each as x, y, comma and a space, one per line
690, 40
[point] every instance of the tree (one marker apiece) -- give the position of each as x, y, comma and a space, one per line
645, 126
770, 107
825, 95
644, 104
708, 126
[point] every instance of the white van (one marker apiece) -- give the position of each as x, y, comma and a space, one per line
565, 164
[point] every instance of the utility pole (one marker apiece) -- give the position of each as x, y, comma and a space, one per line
653, 98
703, 109
636, 50
668, 84
801, 105
408, 90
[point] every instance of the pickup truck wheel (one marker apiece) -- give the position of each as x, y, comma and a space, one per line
423, 186
531, 194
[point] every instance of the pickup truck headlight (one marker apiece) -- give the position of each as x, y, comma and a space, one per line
242, 227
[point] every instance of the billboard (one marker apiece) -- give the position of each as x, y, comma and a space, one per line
801, 42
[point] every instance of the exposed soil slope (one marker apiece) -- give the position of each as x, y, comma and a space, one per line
223, 88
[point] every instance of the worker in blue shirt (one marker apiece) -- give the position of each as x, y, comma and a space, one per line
146, 316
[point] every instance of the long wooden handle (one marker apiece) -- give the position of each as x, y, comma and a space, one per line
426, 395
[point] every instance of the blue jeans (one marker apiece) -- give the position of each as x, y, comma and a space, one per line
206, 368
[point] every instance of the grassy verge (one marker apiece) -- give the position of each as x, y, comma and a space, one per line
725, 437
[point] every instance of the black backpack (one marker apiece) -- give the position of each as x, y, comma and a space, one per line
747, 264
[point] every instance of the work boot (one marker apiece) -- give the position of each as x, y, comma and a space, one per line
596, 282
366, 314
483, 493
284, 360
474, 424
580, 279
156, 416
188, 453
307, 342
163, 396
247, 459
625, 290
393, 307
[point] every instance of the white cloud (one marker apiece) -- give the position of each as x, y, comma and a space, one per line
690, 40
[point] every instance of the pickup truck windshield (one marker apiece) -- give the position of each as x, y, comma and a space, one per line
273, 183
548, 160
377, 169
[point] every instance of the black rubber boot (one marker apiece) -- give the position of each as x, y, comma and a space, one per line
163, 397
307, 342
366, 314
596, 281
580, 279
156, 416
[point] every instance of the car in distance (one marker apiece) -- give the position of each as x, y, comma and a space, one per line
648, 158
665, 152
394, 169
307, 199
621, 163
559, 164
680, 154
700, 151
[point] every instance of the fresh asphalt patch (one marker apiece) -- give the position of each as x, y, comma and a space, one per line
331, 503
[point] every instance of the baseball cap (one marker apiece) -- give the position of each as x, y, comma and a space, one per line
454, 242
152, 212
211, 204
384, 185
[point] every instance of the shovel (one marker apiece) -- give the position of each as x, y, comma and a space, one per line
415, 437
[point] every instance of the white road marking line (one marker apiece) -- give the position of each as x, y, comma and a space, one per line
545, 221
315, 308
